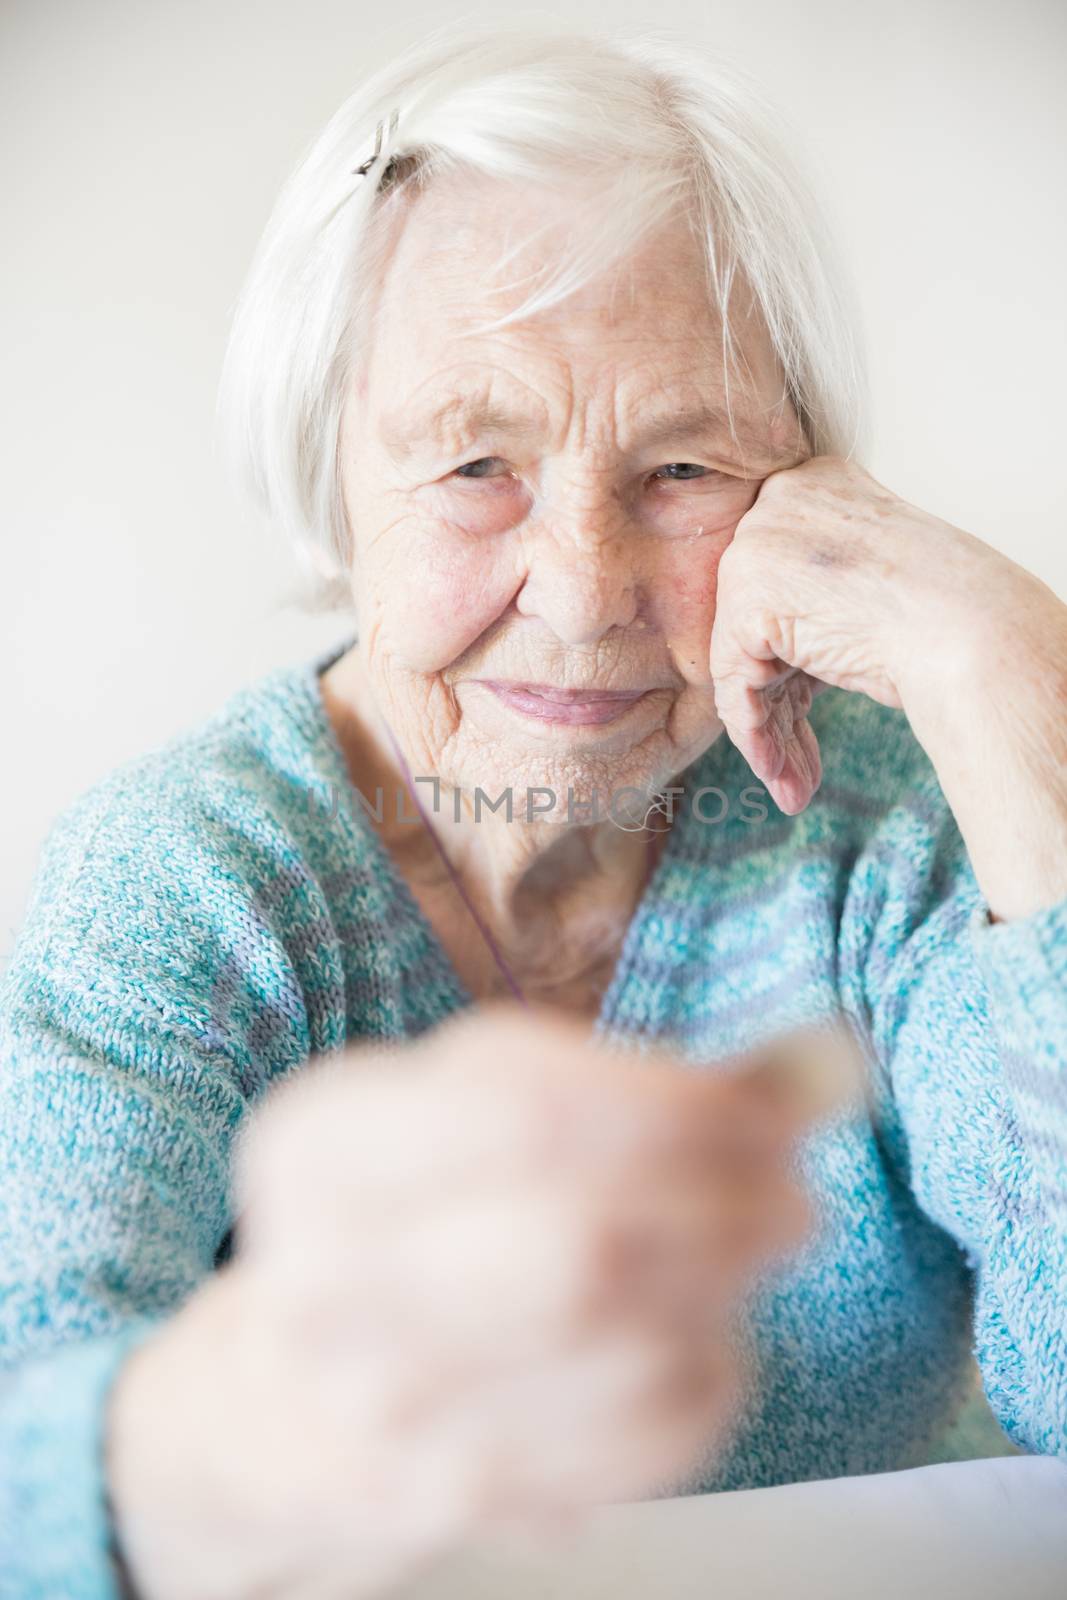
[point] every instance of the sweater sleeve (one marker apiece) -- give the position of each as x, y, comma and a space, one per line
148, 1000
966, 1020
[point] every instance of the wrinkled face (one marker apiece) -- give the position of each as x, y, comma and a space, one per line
548, 505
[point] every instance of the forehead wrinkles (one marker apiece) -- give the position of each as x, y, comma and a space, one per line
597, 408
667, 342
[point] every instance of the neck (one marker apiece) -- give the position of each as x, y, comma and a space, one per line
556, 896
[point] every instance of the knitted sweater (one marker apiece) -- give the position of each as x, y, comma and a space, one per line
213, 913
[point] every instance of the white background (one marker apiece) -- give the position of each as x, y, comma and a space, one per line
142, 146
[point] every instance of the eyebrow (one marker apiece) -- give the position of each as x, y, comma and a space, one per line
404, 432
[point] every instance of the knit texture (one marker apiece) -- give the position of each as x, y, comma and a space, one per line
217, 911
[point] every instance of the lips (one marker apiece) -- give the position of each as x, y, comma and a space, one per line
545, 691
547, 703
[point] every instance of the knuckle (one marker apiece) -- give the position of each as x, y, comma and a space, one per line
678, 1384
679, 1373
611, 1254
734, 567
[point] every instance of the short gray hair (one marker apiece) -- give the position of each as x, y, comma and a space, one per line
662, 125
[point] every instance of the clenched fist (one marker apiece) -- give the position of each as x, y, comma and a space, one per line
489, 1276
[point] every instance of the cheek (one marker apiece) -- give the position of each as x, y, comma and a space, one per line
436, 594
684, 601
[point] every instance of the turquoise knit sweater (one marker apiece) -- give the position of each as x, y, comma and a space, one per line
214, 912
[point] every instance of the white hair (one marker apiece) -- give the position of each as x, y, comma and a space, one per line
663, 128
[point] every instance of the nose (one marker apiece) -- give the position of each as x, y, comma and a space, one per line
581, 585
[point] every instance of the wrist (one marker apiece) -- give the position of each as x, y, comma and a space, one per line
995, 729
169, 1469
987, 651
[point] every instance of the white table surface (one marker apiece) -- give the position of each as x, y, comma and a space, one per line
967, 1530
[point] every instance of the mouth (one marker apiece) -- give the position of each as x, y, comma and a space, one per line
548, 703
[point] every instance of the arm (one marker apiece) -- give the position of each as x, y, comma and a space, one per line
967, 1026
138, 1018
996, 735
831, 579
1022, 1327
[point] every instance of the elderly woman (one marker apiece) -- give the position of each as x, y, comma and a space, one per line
664, 733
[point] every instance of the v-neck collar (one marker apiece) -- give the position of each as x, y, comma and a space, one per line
372, 851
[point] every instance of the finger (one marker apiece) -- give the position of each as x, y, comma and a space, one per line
763, 702
346, 1143
504, 1276
778, 742
763, 712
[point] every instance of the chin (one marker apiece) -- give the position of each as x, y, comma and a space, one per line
575, 779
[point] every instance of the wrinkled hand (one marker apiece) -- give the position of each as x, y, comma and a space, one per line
492, 1274
831, 580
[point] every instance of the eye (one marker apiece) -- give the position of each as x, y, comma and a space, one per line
687, 467
468, 469
678, 471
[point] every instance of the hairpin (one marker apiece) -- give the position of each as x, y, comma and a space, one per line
362, 170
